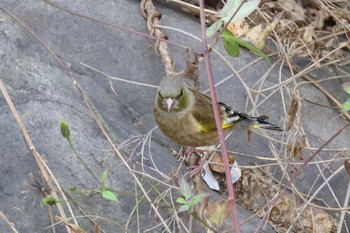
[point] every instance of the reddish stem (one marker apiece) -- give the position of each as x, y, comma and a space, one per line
230, 189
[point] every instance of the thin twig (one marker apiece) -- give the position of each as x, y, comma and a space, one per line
119, 79
186, 4
296, 173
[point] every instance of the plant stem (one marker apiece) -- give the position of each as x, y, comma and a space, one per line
217, 118
82, 161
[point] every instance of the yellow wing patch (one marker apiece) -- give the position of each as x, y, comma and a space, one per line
204, 128
225, 125
255, 126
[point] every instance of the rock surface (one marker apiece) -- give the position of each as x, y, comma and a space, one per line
43, 95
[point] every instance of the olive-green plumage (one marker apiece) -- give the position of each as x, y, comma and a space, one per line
188, 119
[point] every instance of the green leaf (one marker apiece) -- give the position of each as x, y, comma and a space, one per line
109, 195
227, 36
185, 188
197, 198
247, 8
49, 201
181, 200
232, 48
104, 175
227, 12
230, 6
346, 87
346, 106
214, 28
183, 208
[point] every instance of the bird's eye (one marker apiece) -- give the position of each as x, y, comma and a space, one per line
181, 93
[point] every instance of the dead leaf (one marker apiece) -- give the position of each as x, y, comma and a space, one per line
292, 111
308, 34
315, 220
217, 163
258, 34
238, 28
297, 147
73, 227
218, 212
256, 189
283, 213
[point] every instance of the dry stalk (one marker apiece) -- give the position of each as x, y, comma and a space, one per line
188, 7
153, 16
38, 158
10, 224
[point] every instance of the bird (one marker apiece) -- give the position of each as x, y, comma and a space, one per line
186, 115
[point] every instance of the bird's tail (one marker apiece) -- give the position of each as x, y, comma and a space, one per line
258, 122
246, 120
264, 124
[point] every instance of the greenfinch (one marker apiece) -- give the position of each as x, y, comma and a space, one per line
186, 116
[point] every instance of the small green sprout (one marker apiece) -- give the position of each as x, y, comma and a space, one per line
65, 129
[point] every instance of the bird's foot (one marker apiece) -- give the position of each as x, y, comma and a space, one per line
195, 159
195, 169
189, 150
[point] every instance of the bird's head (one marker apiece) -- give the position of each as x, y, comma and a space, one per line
172, 95
170, 103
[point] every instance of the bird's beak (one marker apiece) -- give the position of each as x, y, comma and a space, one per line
169, 103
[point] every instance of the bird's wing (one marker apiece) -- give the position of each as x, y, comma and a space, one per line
203, 113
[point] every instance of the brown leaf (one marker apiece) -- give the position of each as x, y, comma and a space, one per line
73, 227
292, 111
238, 28
258, 34
217, 163
256, 189
298, 147
218, 212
